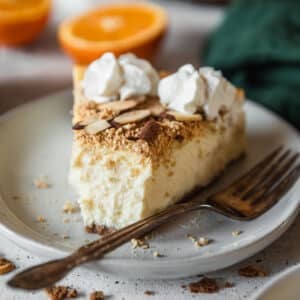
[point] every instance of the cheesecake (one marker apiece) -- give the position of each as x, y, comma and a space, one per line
142, 141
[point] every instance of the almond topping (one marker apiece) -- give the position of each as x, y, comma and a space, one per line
153, 104
97, 126
185, 117
133, 116
82, 124
120, 105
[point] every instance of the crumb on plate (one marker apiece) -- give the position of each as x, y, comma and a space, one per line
97, 295
60, 292
252, 271
205, 285
6, 266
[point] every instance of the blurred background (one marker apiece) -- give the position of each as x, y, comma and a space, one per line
256, 44
40, 67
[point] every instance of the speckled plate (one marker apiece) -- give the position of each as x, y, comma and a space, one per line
36, 141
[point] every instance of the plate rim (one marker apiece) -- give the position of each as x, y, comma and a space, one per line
274, 280
279, 229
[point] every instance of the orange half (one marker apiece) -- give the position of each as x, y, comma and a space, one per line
118, 28
21, 21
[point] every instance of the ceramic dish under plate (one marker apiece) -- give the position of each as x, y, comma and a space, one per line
283, 286
36, 140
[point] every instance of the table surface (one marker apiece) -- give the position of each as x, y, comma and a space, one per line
41, 68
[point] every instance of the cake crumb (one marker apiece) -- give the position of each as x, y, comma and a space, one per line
60, 292
97, 295
156, 254
141, 243
149, 293
205, 285
202, 241
191, 237
6, 266
228, 285
41, 183
41, 219
252, 271
236, 232
65, 236
70, 208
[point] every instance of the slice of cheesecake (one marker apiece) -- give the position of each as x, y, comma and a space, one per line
131, 159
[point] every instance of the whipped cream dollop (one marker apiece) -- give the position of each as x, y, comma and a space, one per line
109, 78
189, 91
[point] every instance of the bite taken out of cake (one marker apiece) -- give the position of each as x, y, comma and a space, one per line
143, 140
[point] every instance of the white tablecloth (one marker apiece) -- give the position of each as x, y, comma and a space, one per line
41, 68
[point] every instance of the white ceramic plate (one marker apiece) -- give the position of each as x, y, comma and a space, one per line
36, 140
283, 286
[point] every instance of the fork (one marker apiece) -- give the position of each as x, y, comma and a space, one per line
245, 199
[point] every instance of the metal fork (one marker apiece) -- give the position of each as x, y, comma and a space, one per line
245, 199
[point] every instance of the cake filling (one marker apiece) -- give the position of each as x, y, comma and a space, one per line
141, 144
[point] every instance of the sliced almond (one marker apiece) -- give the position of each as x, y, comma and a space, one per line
82, 124
97, 126
185, 117
133, 116
120, 105
156, 109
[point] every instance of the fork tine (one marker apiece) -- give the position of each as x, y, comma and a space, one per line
267, 201
241, 183
262, 173
277, 171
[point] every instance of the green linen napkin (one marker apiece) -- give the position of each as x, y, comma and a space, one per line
258, 48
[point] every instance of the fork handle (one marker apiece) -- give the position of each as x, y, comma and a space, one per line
49, 273
99, 248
